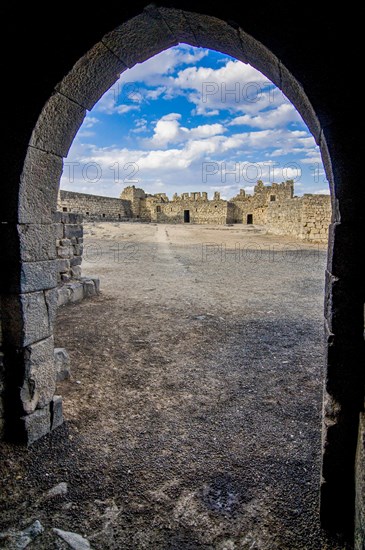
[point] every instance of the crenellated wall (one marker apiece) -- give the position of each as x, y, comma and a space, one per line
273, 206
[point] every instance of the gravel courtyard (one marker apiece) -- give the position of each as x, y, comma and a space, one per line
193, 414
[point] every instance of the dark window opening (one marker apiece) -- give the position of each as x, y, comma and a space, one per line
64, 209
88, 213
158, 209
272, 198
103, 215
186, 216
249, 219
119, 216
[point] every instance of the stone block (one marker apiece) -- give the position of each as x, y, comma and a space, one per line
178, 23
65, 252
40, 375
62, 364
261, 58
39, 184
51, 297
360, 486
37, 276
65, 277
37, 242
59, 231
89, 288
140, 38
57, 217
65, 242
25, 318
76, 272
92, 76
63, 265
57, 125
73, 230
36, 425
216, 34
72, 218
95, 280
76, 260
77, 292
294, 91
78, 249
56, 412
63, 295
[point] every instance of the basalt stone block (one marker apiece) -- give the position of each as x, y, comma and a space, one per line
62, 364
40, 375
77, 292
178, 23
73, 230
63, 295
76, 271
57, 125
216, 34
37, 242
56, 412
37, 276
140, 38
36, 425
76, 260
89, 288
39, 184
261, 58
63, 265
26, 318
92, 76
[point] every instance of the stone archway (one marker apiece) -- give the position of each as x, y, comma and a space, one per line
29, 298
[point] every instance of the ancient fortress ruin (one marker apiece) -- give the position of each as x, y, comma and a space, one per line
273, 206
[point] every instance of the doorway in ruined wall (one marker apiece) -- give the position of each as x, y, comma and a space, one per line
87, 81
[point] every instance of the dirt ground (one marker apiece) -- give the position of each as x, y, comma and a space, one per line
193, 415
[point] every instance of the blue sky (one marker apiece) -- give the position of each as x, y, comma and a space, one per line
191, 119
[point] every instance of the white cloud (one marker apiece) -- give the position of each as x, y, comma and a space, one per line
274, 118
168, 130
122, 109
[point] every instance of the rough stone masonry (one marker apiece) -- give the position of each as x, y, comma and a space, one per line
273, 206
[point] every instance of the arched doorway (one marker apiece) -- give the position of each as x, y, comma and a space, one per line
28, 301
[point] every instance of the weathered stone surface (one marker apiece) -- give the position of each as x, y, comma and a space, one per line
73, 230
74, 540
63, 295
76, 260
62, 364
92, 76
76, 272
178, 23
40, 375
294, 91
39, 184
51, 297
89, 288
37, 242
77, 292
140, 38
37, 276
56, 412
65, 252
57, 125
216, 34
18, 540
260, 57
36, 425
63, 265
26, 318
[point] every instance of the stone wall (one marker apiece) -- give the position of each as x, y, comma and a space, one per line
69, 245
94, 207
306, 217
72, 287
360, 486
273, 206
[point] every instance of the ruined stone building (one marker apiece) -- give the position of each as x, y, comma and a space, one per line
68, 76
273, 206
